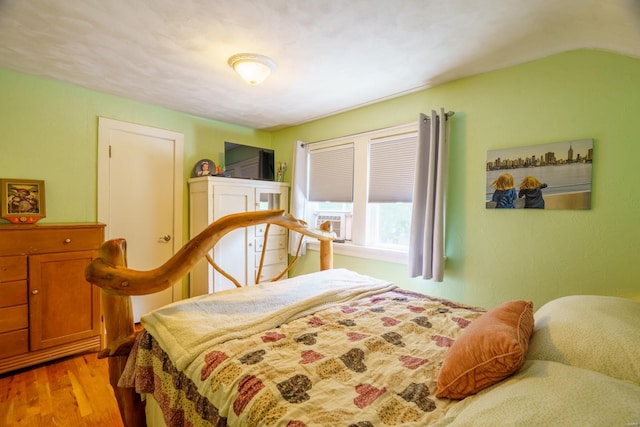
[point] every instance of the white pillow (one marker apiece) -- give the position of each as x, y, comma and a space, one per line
547, 393
592, 332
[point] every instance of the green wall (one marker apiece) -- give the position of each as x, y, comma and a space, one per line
495, 255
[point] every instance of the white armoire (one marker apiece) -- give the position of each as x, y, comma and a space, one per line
238, 253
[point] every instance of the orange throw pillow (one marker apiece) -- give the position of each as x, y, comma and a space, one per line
490, 349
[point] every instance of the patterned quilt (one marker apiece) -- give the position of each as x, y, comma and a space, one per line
370, 362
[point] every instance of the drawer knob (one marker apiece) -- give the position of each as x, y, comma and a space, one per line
67, 240
35, 292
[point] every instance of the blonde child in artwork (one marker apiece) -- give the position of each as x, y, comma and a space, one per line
505, 192
531, 190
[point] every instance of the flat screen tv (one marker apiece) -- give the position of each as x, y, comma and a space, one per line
244, 161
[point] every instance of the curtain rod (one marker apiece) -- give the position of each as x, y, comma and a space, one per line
448, 114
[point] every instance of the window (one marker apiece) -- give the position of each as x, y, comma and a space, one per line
363, 184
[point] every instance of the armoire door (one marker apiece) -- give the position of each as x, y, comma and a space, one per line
232, 250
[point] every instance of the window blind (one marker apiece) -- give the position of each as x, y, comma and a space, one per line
331, 174
392, 166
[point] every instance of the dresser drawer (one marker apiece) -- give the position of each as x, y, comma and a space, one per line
269, 272
273, 242
12, 318
273, 230
14, 343
13, 268
46, 239
277, 256
13, 293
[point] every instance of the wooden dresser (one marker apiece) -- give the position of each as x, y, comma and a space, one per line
47, 309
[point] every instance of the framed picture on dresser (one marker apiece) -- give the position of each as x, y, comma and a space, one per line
23, 200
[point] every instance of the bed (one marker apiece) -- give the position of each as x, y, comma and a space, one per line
338, 348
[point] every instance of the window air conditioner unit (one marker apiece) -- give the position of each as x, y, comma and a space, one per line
338, 223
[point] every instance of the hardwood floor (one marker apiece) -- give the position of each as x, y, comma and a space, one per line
73, 391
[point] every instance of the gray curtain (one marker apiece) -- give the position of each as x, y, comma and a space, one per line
426, 244
298, 194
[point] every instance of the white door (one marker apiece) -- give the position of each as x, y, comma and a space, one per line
140, 198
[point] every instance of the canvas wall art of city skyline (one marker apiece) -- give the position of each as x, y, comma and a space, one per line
546, 176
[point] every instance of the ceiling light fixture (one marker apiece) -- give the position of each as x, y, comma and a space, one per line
253, 68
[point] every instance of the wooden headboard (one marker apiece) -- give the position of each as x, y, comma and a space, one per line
109, 271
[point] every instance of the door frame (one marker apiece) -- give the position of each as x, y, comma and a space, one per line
105, 127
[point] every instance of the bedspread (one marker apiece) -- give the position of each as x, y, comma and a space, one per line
370, 361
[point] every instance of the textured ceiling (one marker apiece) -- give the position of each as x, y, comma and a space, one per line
332, 55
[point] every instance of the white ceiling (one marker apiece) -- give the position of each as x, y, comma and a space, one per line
332, 55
